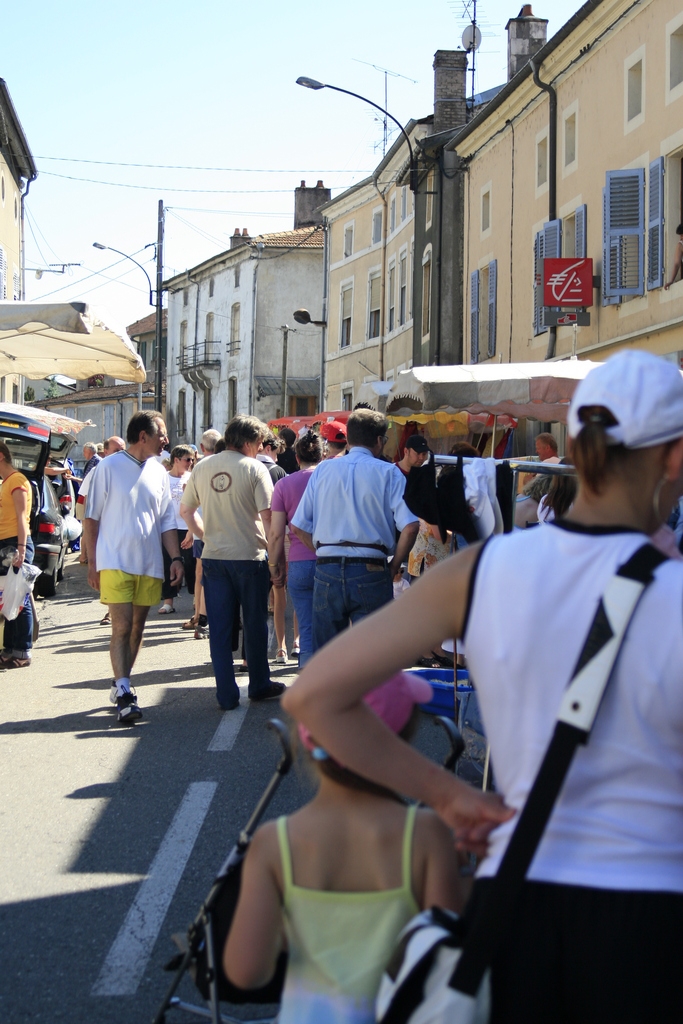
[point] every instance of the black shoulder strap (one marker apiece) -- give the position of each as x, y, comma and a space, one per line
577, 714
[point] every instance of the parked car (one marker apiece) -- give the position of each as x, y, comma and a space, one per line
30, 445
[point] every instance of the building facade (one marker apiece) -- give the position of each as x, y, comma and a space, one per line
592, 168
230, 319
17, 171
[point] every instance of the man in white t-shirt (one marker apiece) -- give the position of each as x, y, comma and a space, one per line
129, 516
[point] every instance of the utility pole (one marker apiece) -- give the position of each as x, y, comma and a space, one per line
159, 304
285, 340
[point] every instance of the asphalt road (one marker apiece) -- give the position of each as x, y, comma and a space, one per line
110, 836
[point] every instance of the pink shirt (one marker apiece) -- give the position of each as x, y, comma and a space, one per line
286, 497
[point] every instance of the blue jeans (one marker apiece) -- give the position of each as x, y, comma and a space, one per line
345, 593
227, 584
300, 577
19, 632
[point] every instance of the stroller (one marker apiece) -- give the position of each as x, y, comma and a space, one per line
207, 934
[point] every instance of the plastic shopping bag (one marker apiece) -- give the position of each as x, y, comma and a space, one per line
16, 586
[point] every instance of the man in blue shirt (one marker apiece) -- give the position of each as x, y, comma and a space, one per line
349, 515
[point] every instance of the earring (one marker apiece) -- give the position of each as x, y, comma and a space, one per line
655, 499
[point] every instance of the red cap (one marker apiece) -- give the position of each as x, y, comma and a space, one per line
333, 431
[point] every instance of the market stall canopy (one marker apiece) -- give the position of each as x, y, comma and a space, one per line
57, 423
374, 393
38, 339
540, 391
300, 423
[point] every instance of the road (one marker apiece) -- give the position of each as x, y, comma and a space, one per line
111, 835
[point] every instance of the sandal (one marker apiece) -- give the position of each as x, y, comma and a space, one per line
166, 609
281, 656
15, 662
190, 624
105, 620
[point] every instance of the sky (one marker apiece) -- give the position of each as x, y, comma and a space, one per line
206, 93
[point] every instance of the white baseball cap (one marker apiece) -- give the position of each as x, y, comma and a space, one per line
643, 392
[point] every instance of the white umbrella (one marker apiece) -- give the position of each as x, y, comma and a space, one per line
57, 423
38, 339
540, 391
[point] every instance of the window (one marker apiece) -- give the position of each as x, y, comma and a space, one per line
376, 227
391, 288
570, 140
634, 90
676, 57
426, 294
623, 236
142, 351
404, 203
186, 296
15, 394
109, 419
211, 287
182, 412
208, 337
392, 215
2, 188
375, 306
429, 199
16, 209
348, 240
542, 161
232, 398
237, 275
402, 287
347, 401
16, 284
234, 329
208, 411
486, 210
346, 310
412, 279
3, 273
569, 236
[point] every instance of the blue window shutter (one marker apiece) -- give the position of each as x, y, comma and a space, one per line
539, 252
625, 233
607, 300
655, 225
580, 221
492, 298
552, 234
474, 316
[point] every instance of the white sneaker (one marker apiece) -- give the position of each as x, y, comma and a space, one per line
113, 694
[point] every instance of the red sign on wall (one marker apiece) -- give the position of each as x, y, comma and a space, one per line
567, 282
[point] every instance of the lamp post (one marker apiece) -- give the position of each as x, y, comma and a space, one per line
110, 248
312, 83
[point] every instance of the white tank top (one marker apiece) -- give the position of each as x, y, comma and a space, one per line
618, 823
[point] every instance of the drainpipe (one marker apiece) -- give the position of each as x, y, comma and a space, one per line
385, 228
323, 331
552, 170
22, 262
253, 338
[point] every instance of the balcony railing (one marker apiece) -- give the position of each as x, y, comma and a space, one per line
206, 353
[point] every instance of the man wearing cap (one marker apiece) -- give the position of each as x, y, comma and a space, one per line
415, 454
349, 515
334, 433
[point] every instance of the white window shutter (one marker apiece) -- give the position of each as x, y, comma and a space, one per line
474, 316
492, 299
16, 285
655, 225
625, 232
3, 273
580, 222
539, 252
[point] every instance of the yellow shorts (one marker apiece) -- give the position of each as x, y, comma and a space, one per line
118, 587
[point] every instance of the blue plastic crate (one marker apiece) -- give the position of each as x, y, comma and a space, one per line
441, 679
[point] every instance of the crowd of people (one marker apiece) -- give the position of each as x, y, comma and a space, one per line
335, 882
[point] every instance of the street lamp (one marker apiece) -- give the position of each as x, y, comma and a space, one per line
312, 83
302, 316
99, 245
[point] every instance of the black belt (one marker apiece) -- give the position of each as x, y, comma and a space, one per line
352, 561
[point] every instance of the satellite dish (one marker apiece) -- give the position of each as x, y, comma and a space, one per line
471, 38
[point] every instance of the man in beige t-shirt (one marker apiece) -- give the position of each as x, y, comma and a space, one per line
234, 490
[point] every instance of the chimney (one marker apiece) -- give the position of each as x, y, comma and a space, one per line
307, 203
450, 70
526, 35
239, 238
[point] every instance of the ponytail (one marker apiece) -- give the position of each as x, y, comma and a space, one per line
594, 457
308, 448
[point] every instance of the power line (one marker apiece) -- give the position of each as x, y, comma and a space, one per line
98, 273
192, 167
166, 188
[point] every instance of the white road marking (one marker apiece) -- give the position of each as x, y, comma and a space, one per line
127, 959
230, 725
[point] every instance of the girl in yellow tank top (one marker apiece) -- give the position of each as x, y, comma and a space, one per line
335, 883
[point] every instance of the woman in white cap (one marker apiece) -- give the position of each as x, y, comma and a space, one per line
596, 936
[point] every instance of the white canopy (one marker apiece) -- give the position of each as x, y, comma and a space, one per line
375, 393
539, 391
38, 339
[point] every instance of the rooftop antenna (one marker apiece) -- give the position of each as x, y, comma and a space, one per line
394, 74
471, 41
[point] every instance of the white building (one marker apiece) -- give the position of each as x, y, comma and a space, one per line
225, 329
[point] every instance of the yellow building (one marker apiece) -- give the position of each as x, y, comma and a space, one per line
614, 191
370, 242
17, 170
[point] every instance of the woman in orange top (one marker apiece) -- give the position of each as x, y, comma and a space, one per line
15, 511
